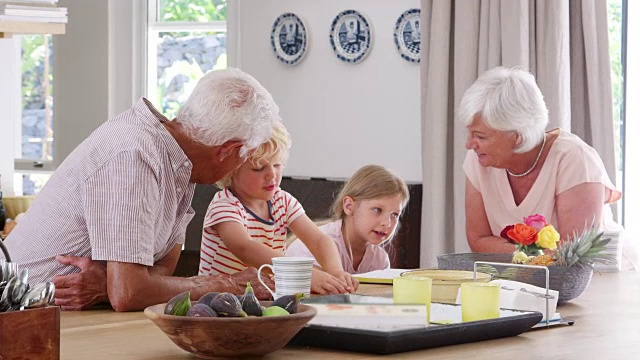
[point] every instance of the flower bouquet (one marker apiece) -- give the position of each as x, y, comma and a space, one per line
535, 235
531, 238
570, 262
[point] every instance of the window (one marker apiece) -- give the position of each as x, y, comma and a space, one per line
617, 87
187, 39
34, 134
624, 50
631, 116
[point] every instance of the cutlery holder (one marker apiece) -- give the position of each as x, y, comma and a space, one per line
30, 334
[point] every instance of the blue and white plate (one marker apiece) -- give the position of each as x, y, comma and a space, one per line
350, 36
407, 35
289, 38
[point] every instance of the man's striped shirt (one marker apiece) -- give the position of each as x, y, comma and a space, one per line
122, 195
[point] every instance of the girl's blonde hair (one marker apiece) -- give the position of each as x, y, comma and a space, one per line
278, 146
370, 182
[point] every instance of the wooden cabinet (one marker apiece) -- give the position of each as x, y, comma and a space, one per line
10, 28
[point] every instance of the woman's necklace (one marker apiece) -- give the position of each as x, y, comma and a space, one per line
544, 141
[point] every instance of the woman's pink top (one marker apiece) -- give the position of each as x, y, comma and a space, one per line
570, 162
375, 257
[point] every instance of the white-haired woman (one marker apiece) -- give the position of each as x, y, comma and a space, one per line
515, 169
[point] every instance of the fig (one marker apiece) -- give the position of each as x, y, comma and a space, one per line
227, 305
250, 303
201, 310
179, 305
274, 311
289, 302
206, 298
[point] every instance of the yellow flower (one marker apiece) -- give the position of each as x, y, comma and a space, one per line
548, 237
519, 258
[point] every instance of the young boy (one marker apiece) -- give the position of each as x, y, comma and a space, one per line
246, 222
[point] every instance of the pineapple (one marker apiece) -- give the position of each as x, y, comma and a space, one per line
584, 249
542, 260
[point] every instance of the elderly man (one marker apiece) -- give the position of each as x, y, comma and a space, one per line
110, 223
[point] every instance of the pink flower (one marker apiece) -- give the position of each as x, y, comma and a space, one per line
536, 221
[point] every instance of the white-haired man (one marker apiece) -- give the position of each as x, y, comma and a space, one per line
110, 223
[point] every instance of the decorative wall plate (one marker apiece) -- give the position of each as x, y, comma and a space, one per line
289, 38
407, 35
350, 36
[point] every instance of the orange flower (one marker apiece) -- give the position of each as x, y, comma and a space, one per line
523, 234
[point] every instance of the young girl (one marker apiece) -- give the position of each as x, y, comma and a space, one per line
246, 222
365, 216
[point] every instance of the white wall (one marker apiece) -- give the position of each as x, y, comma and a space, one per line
97, 67
341, 116
10, 103
81, 73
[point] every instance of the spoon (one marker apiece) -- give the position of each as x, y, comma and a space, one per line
8, 270
20, 287
38, 296
6, 294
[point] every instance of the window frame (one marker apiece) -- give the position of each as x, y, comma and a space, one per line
20, 164
155, 27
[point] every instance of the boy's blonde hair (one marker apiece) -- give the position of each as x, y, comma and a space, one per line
370, 182
278, 146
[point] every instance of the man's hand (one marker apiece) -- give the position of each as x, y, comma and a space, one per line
239, 283
81, 290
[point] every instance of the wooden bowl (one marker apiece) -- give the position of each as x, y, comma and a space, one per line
569, 281
230, 337
445, 283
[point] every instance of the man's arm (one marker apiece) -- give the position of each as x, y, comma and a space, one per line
81, 290
133, 286
94, 284
167, 265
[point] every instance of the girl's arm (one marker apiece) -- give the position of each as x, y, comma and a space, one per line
238, 241
324, 250
255, 254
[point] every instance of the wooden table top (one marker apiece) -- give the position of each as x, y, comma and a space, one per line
607, 326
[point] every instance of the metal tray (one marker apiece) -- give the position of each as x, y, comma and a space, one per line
511, 323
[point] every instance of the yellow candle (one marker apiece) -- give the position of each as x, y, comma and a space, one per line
480, 301
413, 290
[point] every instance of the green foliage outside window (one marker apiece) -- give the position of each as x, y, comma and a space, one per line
176, 81
33, 58
190, 10
617, 82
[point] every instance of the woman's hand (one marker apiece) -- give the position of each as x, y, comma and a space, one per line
324, 283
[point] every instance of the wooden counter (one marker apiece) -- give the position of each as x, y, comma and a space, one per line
607, 326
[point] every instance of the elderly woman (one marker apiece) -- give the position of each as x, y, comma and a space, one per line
515, 169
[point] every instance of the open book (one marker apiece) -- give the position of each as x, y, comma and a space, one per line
379, 276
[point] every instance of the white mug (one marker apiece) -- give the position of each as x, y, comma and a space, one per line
292, 275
